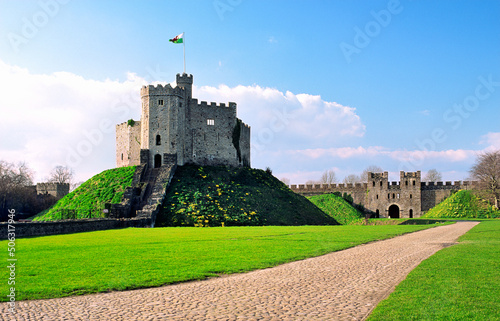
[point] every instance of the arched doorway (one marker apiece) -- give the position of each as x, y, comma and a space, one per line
377, 214
394, 211
411, 213
157, 160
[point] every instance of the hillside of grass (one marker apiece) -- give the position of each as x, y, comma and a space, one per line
89, 198
226, 196
463, 204
338, 208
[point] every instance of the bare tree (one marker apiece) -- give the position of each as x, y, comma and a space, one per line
372, 169
328, 177
61, 175
352, 179
16, 188
487, 172
433, 176
285, 181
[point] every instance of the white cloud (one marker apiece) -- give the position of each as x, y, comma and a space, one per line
64, 119
48, 117
287, 120
492, 140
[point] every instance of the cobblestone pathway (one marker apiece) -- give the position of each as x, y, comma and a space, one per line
344, 285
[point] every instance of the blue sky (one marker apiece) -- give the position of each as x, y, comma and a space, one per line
405, 85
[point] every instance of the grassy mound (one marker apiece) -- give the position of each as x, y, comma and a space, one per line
89, 198
463, 204
215, 196
338, 208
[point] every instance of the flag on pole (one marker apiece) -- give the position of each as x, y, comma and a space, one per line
178, 38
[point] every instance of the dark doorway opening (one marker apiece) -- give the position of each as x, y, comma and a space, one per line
377, 214
411, 213
393, 211
157, 160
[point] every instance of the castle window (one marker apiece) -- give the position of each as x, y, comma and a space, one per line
411, 196
406, 183
388, 196
377, 196
413, 183
158, 140
380, 184
373, 183
398, 195
393, 195
122, 156
160, 102
210, 122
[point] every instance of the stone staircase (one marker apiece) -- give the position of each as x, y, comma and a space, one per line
141, 202
156, 182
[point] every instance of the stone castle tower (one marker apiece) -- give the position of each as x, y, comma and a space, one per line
176, 129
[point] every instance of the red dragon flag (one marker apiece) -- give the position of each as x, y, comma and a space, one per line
178, 38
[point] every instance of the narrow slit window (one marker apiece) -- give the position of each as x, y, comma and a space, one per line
160, 102
158, 140
210, 122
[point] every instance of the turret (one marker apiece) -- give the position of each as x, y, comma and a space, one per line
185, 81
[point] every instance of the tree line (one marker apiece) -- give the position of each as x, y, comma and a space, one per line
18, 191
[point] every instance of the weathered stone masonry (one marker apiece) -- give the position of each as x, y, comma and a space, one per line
408, 198
174, 123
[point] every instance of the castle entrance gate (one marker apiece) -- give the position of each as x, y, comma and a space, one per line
394, 211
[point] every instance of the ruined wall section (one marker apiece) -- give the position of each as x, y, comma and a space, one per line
128, 144
58, 190
245, 144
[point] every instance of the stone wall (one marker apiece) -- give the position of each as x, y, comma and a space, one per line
411, 196
55, 189
28, 229
210, 128
128, 144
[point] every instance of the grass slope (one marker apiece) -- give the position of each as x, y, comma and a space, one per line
100, 261
337, 207
457, 283
463, 204
89, 198
215, 196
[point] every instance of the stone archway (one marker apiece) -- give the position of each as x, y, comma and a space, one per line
394, 211
157, 161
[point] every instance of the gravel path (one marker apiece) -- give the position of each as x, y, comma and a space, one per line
344, 285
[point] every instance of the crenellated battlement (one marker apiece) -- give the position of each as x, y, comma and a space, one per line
184, 79
407, 198
203, 104
160, 90
447, 185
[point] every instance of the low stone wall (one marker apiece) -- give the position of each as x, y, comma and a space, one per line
27, 229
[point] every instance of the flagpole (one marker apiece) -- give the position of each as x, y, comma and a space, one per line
184, 46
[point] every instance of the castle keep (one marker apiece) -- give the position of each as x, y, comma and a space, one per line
174, 130
177, 129
408, 198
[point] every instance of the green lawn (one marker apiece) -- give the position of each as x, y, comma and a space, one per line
63, 265
461, 282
